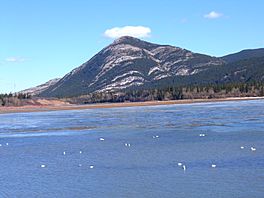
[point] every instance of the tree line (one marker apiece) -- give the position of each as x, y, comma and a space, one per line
252, 89
11, 99
209, 91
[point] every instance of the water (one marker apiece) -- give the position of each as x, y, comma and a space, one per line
149, 166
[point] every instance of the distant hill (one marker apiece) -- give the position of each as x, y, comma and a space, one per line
244, 71
132, 64
244, 54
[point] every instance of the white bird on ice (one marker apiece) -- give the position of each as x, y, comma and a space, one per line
127, 144
213, 165
101, 139
253, 148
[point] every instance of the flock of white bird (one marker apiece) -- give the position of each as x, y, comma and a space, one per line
5, 144
180, 164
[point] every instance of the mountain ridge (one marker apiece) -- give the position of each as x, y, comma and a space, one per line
130, 63
244, 54
40, 88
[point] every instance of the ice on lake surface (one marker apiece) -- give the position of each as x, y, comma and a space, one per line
135, 152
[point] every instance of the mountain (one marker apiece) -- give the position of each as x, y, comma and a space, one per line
130, 63
242, 71
40, 88
244, 54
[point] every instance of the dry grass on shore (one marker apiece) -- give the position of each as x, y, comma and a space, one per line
55, 105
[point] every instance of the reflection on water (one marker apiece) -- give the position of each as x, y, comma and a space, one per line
135, 151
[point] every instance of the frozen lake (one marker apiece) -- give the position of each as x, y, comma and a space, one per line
135, 151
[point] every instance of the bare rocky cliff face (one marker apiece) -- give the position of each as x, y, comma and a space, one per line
129, 62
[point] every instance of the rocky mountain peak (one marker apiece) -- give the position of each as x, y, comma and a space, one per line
130, 63
125, 40
135, 42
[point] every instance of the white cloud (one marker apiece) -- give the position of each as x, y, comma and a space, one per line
135, 31
15, 59
213, 15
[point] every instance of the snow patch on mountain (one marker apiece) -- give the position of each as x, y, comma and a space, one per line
128, 73
154, 69
183, 72
124, 83
161, 76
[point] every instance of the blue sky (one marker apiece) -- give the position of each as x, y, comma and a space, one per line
41, 40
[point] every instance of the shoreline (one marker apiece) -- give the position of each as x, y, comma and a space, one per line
44, 108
